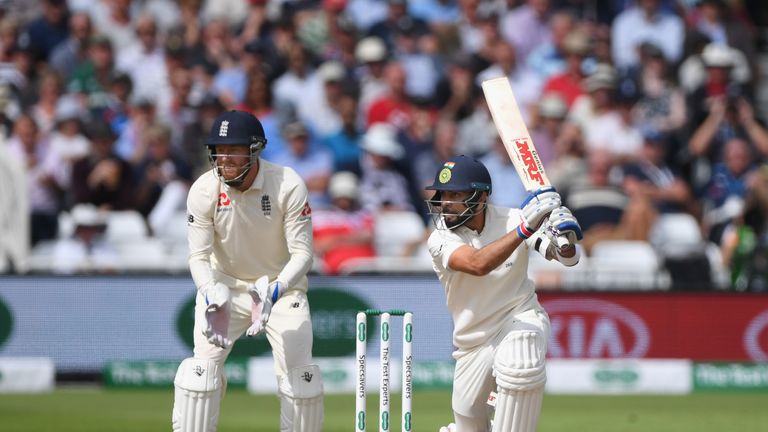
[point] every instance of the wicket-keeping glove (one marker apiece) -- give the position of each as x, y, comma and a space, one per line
264, 295
217, 315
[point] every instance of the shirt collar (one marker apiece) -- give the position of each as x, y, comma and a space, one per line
258, 182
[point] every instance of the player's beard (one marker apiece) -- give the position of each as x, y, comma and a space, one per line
453, 219
230, 172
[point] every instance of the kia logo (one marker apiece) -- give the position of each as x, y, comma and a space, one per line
752, 337
589, 328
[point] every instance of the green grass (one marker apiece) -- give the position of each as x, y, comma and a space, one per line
92, 410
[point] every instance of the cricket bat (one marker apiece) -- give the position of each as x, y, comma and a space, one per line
515, 136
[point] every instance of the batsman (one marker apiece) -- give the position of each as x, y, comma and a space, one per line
250, 240
480, 254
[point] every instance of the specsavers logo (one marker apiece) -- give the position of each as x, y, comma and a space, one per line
589, 328
6, 323
333, 325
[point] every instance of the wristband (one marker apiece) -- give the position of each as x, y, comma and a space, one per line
523, 231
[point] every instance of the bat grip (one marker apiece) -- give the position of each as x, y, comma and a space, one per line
562, 241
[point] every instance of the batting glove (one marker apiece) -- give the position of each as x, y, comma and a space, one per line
536, 208
562, 223
217, 315
264, 295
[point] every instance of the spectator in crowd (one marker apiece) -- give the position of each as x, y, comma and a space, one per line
661, 107
526, 27
394, 107
258, 101
161, 178
114, 20
145, 58
193, 150
646, 21
744, 244
344, 144
397, 15
382, 186
102, 178
455, 95
141, 115
50, 29
311, 161
319, 104
603, 209
9, 39
525, 84
44, 110
344, 231
178, 110
67, 56
651, 178
87, 251
341, 46
548, 126
291, 87
721, 109
230, 12
714, 18
551, 57
371, 53
46, 174
67, 139
420, 66
568, 83
428, 162
93, 77
726, 191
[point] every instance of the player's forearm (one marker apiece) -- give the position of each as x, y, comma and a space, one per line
200, 268
484, 260
296, 268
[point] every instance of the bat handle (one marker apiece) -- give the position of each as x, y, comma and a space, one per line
562, 241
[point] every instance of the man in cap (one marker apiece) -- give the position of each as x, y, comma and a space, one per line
480, 254
250, 239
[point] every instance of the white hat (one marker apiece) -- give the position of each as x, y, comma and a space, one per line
68, 108
381, 139
718, 55
343, 184
604, 77
370, 50
552, 106
87, 215
331, 71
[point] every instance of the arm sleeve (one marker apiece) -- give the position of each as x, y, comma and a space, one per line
298, 234
441, 247
200, 232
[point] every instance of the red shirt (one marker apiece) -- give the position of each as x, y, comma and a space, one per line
564, 85
327, 224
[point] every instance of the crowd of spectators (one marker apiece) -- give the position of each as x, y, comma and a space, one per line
639, 108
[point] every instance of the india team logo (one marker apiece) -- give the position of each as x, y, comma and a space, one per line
445, 175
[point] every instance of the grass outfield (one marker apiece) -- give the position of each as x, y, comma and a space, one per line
92, 410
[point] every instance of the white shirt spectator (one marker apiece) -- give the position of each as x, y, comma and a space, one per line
631, 28
147, 71
609, 132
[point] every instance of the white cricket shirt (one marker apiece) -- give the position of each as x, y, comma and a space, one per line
266, 230
480, 304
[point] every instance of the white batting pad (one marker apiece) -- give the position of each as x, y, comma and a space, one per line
520, 375
301, 400
199, 385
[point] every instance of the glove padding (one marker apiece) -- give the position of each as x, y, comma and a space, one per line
562, 224
217, 315
536, 208
264, 295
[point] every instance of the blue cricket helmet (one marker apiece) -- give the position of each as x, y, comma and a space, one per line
462, 173
236, 127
